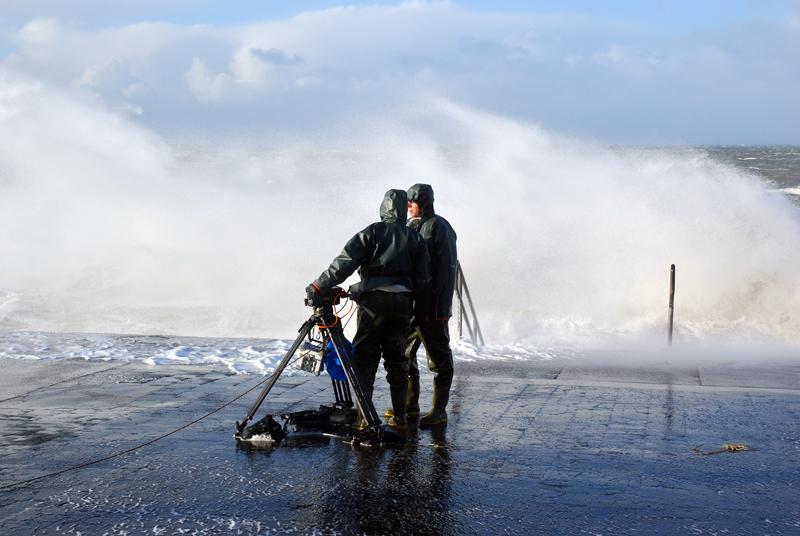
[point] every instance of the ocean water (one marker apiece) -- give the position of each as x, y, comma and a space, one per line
777, 167
204, 248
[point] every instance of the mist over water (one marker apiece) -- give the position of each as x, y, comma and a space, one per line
107, 227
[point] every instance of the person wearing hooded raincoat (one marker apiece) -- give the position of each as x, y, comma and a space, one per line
394, 268
431, 328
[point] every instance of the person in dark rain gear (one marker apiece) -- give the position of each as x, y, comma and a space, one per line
431, 328
393, 264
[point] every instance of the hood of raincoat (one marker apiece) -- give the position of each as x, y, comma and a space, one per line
422, 194
394, 207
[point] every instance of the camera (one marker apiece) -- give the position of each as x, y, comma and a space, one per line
326, 297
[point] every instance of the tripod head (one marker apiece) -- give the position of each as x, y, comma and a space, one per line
327, 297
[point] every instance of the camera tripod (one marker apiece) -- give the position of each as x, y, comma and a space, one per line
362, 423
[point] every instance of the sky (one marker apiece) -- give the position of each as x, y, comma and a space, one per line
636, 72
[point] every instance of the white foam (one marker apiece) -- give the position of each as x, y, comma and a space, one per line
465, 351
235, 355
108, 228
239, 356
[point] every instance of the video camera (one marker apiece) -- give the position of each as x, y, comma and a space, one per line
326, 297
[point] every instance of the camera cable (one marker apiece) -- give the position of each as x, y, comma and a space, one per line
95, 461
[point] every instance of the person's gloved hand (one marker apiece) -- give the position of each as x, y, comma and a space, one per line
312, 289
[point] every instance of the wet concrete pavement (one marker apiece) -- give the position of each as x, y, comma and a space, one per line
531, 448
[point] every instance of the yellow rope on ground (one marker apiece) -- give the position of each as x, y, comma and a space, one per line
727, 447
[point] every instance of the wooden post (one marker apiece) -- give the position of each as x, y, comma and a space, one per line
671, 300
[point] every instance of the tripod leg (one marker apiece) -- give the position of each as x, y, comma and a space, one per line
365, 406
304, 331
347, 396
338, 392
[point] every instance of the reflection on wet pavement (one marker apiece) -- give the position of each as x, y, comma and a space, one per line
523, 453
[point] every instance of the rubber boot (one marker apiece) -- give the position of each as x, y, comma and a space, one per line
412, 400
412, 397
441, 395
398, 418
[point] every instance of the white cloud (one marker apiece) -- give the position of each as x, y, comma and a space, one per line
327, 66
40, 32
248, 68
135, 90
204, 84
12, 93
307, 81
91, 9
527, 42
274, 56
134, 110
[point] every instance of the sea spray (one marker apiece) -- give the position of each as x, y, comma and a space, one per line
109, 228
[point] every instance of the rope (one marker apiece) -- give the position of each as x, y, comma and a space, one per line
727, 447
349, 318
349, 314
137, 447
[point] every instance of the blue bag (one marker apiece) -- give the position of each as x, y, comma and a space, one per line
332, 363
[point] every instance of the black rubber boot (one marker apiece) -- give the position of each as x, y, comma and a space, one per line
398, 417
412, 400
412, 397
441, 395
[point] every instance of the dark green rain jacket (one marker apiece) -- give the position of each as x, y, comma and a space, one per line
385, 253
440, 239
